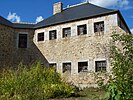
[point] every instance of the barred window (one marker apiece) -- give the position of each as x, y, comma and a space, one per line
82, 66
99, 27
82, 30
66, 32
66, 67
52, 35
22, 42
41, 36
100, 66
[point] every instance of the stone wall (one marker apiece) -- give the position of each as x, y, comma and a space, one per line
6, 45
30, 54
74, 49
11, 55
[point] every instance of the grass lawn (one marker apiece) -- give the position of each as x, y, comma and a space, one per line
87, 94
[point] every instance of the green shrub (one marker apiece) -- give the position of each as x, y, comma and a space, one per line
34, 83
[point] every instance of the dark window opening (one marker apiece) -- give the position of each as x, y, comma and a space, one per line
41, 36
82, 30
53, 65
100, 66
99, 27
22, 43
52, 35
66, 32
82, 66
66, 67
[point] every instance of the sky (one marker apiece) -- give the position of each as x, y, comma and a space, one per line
34, 11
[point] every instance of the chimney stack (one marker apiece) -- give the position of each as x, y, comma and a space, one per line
57, 7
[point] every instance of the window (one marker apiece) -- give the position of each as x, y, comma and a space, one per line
99, 27
41, 36
52, 35
66, 32
53, 65
82, 66
82, 30
100, 66
66, 67
22, 42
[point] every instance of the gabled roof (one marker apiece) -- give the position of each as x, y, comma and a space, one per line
74, 13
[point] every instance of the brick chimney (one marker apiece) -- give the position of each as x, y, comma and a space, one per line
57, 7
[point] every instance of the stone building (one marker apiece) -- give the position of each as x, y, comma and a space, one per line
76, 40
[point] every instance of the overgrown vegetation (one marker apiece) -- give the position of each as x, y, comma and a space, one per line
121, 86
34, 83
87, 94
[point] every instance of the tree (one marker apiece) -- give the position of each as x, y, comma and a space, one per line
121, 86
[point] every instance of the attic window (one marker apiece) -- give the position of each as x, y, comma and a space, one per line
99, 26
41, 36
66, 67
100, 66
82, 30
22, 41
82, 66
52, 35
66, 32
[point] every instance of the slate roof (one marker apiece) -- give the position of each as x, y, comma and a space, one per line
74, 13
5, 21
15, 25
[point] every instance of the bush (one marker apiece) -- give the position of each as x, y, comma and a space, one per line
34, 83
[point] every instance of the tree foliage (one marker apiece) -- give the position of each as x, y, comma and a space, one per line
121, 86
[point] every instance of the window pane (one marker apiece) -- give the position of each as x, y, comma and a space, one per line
52, 35
40, 36
66, 67
22, 43
82, 66
100, 66
82, 30
67, 32
99, 27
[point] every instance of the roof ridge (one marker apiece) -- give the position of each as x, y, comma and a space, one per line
23, 23
85, 3
75, 5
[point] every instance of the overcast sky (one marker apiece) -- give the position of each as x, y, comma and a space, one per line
37, 10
